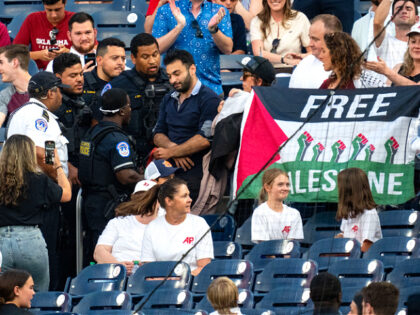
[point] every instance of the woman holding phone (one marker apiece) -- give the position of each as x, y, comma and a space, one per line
25, 193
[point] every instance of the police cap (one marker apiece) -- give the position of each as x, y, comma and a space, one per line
113, 100
44, 81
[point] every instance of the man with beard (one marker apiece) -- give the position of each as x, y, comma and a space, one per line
82, 34
183, 128
146, 84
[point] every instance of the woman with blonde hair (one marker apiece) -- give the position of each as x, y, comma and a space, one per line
272, 219
223, 295
356, 208
278, 30
25, 194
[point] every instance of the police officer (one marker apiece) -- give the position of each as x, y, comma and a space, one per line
146, 84
108, 169
110, 60
35, 120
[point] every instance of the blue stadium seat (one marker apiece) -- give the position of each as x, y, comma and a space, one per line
118, 22
167, 298
330, 250
99, 277
347, 295
224, 230
103, 300
406, 273
231, 62
50, 301
358, 272
282, 80
241, 272
139, 6
15, 24
59, 313
227, 250
96, 6
124, 37
393, 250
141, 283
251, 311
405, 293
293, 272
286, 300
174, 311
321, 225
11, 8
264, 252
400, 223
32, 67
112, 312
243, 236
245, 300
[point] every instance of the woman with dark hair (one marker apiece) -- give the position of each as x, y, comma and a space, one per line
356, 307
278, 30
168, 237
357, 209
25, 193
16, 292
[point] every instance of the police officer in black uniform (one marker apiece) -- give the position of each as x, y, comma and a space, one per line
110, 62
146, 84
108, 169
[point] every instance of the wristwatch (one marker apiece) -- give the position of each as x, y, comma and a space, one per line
214, 30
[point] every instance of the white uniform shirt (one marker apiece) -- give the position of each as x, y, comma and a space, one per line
125, 235
39, 124
365, 226
392, 50
309, 74
163, 241
268, 224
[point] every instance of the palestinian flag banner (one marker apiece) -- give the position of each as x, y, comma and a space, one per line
366, 128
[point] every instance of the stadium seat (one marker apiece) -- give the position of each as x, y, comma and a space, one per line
245, 300
358, 272
393, 250
15, 24
119, 22
96, 6
251, 311
406, 273
282, 80
101, 300
100, 277
174, 311
293, 272
239, 271
232, 62
112, 312
167, 298
264, 252
227, 250
243, 236
321, 225
50, 301
9, 9
286, 300
32, 67
347, 295
400, 223
124, 37
224, 230
330, 250
141, 283
405, 293
139, 6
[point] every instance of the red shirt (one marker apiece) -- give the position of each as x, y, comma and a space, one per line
4, 35
35, 31
152, 7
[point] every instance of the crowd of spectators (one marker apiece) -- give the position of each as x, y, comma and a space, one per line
118, 130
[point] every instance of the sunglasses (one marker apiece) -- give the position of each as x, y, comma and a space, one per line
196, 27
275, 44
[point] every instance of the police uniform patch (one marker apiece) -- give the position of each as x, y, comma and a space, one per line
45, 115
85, 148
41, 124
107, 87
123, 149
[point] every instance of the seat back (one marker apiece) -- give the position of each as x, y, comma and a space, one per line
149, 275
238, 270
251, 311
96, 6
15, 24
119, 21
243, 234
103, 300
174, 311
321, 225
245, 300
232, 62
227, 250
357, 272
405, 293
167, 298
286, 300
139, 6
51, 301
400, 223
393, 250
330, 250
264, 252
406, 273
224, 229
9, 9
293, 272
100, 277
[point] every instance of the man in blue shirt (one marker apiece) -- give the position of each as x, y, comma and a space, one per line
202, 28
183, 128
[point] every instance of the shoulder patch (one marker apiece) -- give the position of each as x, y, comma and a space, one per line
106, 88
41, 124
45, 115
123, 149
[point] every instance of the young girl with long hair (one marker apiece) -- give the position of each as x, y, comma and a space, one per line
16, 292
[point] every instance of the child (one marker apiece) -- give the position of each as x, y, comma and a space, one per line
273, 220
356, 208
222, 293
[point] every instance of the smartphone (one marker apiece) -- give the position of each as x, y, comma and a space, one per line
49, 152
90, 57
53, 49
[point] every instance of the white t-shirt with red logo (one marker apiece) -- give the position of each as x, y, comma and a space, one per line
268, 224
163, 241
365, 226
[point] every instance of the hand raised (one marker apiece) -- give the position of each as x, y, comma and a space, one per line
215, 20
176, 12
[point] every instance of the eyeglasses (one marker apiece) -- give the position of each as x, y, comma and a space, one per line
275, 44
198, 32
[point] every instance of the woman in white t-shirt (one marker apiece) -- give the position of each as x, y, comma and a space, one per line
357, 209
273, 220
223, 295
121, 241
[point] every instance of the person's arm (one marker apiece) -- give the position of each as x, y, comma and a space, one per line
62, 179
381, 14
392, 74
150, 18
201, 263
162, 141
366, 245
258, 50
246, 15
2, 119
193, 145
128, 176
223, 42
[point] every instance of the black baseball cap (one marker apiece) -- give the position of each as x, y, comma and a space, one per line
44, 81
259, 66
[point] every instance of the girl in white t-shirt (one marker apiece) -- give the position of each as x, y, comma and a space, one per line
357, 209
223, 295
273, 220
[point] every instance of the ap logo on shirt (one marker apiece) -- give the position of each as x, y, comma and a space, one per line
123, 149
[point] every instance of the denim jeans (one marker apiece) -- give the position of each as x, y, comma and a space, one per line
23, 247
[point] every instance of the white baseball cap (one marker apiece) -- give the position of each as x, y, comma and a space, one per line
415, 29
144, 185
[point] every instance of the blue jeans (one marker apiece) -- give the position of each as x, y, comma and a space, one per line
23, 247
